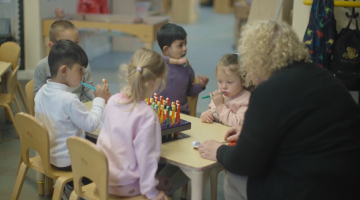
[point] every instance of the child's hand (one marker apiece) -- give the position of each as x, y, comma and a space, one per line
183, 61
203, 81
102, 91
232, 135
217, 98
207, 117
108, 97
160, 196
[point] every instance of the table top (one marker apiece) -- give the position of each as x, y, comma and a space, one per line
4, 66
181, 152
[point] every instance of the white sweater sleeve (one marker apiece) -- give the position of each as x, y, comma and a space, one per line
86, 120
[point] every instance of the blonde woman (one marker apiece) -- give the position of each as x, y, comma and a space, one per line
301, 134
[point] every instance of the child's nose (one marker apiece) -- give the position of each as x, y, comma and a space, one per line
184, 47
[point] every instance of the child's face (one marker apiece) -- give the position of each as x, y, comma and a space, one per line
70, 34
229, 83
177, 49
74, 75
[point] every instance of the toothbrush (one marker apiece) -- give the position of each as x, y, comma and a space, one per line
88, 86
104, 81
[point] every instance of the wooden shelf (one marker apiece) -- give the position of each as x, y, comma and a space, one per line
355, 4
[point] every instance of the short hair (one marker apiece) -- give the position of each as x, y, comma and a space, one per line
168, 33
58, 26
66, 52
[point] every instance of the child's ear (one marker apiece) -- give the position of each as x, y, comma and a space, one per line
63, 70
51, 44
166, 50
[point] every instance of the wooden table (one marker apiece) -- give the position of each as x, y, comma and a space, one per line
147, 31
181, 153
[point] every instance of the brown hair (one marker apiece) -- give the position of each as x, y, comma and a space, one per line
58, 26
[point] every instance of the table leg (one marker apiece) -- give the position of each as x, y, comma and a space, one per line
197, 182
149, 45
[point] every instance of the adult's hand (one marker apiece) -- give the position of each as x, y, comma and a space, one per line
233, 133
208, 149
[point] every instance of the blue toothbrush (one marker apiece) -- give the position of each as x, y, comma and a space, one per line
88, 86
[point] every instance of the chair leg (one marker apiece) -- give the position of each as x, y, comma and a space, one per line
11, 117
0, 137
49, 185
20, 161
184, 192
59, 187
40, 188
17, 104
22, 96
19, 181
74, 196
213, 181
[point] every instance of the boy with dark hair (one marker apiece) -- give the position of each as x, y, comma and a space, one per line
172, 41
61, 111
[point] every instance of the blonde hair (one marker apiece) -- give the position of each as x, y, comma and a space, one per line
267, 46
231, 62
145, 65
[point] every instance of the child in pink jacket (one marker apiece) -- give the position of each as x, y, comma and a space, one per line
131, 132
229, 103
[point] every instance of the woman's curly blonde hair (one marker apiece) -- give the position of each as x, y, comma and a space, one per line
267, 46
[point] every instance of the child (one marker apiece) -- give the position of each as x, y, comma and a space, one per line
63, 29
228, 108
131, 133
61, 111
172, 41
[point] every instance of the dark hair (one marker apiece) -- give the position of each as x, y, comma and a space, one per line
168, 33
58, 26
66, 52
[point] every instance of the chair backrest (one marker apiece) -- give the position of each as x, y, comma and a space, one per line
10, 52
12, 82
29, 90
192, 101
33, 135
87, 160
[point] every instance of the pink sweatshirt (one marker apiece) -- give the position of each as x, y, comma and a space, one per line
131, 140
232, 112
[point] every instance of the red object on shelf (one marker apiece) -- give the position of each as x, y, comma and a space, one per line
93, 6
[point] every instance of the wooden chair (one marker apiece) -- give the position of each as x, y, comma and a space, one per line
29, 90
34, 135
192, 101
89, 161
10, 52
7, 98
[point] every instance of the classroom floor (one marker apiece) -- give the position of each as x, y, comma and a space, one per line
208, 39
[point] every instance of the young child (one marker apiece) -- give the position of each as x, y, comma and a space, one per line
229, 103
63, 29
131, 133
172, 41
61, 111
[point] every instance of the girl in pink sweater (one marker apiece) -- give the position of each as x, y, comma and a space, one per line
229, 103
131, 132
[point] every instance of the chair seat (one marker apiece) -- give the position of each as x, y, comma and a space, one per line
92, 193
36, 163
5, 98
